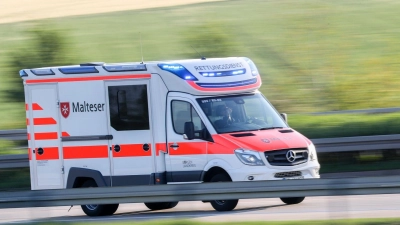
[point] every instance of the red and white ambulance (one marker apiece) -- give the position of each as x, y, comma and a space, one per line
169, 122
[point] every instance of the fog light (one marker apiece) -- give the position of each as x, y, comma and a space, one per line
250, 178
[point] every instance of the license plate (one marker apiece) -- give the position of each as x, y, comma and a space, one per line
294, 178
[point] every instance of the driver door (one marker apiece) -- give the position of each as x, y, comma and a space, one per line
186, 158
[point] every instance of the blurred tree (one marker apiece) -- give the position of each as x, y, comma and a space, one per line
210, 40
45, 47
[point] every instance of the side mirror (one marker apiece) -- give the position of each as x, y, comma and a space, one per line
189, 131
284, 117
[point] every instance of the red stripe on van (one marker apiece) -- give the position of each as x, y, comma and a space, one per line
46, 136
27, 121
197, 87
44, 121
161, 147
29, 154
71, 79
49, 153
131, 150
189, 148
65, 134
36, 106
26, 107
29, 136
84, 152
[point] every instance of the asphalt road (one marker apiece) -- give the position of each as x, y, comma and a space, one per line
313, 208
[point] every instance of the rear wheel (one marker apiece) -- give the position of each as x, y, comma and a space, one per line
223, 205
292, 200
97, 210
160, 205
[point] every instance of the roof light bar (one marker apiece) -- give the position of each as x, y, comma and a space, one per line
178, 70
22, 73
223, 73
127, 67
78, 70
254, 70
228, 84
42, 72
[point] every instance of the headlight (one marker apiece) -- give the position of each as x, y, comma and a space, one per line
312, 152
248, 157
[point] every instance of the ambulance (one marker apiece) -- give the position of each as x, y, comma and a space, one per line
152, 123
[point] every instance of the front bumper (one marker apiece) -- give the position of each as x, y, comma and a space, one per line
309, 170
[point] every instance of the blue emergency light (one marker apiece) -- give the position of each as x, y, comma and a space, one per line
254, 70
22, 73
78, 70
223, 73
178, 70
42, 72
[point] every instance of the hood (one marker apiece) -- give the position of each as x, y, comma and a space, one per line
268, 140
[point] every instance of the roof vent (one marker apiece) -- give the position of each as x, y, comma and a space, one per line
92, 64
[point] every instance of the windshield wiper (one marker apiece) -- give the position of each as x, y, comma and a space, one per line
242, 131
270, 128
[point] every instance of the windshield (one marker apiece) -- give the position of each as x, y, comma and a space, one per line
240, 113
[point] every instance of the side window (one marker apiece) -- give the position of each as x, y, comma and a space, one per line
129, 107
183, 112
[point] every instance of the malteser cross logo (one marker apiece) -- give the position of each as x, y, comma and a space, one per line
65, 109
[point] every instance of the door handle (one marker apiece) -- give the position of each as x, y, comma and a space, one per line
174, 145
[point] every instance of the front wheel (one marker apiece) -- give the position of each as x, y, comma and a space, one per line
292, 200
160, 205
97, 210
223, 205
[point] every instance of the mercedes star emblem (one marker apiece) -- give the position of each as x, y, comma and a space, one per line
291, 156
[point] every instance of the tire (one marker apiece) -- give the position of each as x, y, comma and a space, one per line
223, 205
160, 205
292, 200
97, 210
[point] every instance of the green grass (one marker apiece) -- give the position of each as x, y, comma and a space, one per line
313, 55
345, 125
15, 179
394, 221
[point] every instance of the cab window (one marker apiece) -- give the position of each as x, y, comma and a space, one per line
183, 112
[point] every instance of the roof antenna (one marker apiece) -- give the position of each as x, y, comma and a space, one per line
141, 49
202, 57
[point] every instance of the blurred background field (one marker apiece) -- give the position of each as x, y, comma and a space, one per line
314, 56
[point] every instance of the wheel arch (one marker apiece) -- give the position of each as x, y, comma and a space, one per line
77, 176
214, 171
214, 166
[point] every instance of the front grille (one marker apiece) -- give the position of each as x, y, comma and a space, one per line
283, 158
288, 174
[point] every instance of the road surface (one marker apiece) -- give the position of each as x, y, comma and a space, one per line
313, 208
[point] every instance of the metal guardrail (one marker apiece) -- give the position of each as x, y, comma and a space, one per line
14, 161
14, 135
204, 191
361, 143
377, 110
323, 145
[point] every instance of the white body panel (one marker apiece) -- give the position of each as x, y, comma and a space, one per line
44, 146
